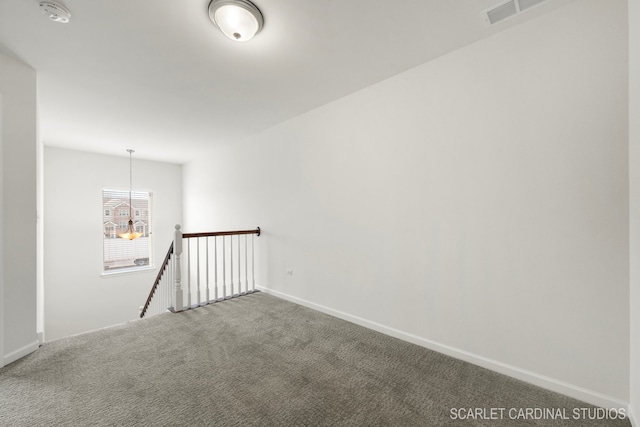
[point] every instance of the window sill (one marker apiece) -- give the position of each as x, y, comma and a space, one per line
127, 271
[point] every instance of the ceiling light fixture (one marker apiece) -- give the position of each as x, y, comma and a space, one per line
239, 20
130, 234
55, 11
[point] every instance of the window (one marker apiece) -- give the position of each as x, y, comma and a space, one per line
121, 254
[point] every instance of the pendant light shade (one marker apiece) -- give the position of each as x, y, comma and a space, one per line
239, 20
131, 233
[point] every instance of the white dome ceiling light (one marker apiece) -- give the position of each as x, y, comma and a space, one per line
55, 11
239, 20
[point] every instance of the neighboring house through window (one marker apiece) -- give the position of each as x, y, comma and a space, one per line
120, 254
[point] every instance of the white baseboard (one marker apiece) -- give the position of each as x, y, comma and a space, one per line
632, 418
580, 393
21, 352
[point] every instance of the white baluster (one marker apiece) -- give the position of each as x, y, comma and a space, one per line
253, 265
246, 266
199, 301
163, 292
215, 267
224, 267
177, 249
231, 264
206, 240
239, 278
169, 281
189, 273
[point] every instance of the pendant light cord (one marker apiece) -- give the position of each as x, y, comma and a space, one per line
130, 183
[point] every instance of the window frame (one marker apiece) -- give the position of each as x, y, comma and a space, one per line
112, 200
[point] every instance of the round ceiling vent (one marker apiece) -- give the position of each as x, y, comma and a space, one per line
55, 11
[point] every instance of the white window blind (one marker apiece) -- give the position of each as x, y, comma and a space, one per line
122, 254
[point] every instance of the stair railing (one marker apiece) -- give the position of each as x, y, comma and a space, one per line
164, 282
215, 270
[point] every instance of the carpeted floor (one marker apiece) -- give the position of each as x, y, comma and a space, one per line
262, 361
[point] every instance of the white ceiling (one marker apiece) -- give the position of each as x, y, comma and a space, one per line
158, 77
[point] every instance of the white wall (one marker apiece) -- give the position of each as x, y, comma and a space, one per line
476, 204
77, 297
2, 363
18, 202
634, 200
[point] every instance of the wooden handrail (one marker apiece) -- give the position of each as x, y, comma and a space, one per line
221, 233
164, 265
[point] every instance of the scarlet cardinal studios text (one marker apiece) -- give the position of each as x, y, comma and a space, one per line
537, 413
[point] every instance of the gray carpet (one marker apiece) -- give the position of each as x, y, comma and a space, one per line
256, 361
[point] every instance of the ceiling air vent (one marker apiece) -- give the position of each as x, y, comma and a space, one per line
508, 9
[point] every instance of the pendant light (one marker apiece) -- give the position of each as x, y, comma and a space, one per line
130, 234
239, 20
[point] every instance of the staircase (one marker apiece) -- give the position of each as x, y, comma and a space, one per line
203, 268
